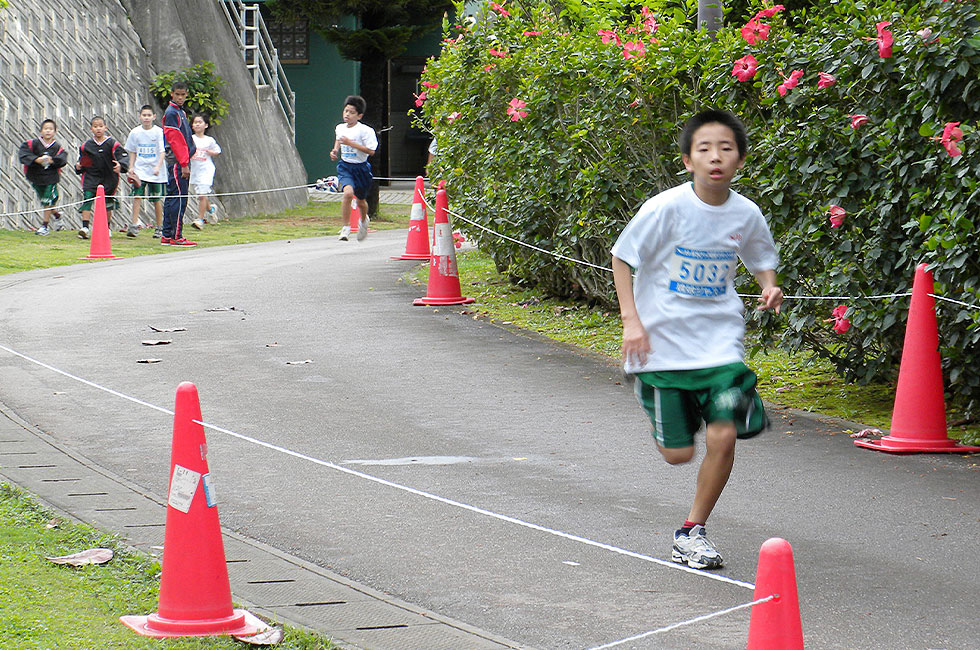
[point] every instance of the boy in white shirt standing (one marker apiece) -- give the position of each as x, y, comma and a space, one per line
147, 176
202, 169
683, 324
355, 142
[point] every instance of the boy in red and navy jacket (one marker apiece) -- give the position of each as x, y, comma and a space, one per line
100, 161
180, 148
43, 159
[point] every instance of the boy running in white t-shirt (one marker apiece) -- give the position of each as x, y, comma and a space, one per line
355, 143
202, 169
147, 176
683, 324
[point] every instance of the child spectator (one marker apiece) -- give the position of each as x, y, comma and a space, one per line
355, 142
43, 159
100, 161
682, 320
147, 151
202, 169
180, 149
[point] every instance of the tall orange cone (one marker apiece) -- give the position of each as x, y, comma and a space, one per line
776, 623
443, 286
195, 595
919, 416
100, 248
417, 244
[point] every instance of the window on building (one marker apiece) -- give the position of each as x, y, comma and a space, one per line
292, 40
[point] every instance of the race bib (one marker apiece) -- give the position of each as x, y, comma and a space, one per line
700, 273
146, 151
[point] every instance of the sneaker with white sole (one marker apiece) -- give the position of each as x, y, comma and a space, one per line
198, 223
57, 223
43, 230
695, 550
362, 227
344, 233
84, 232
157, 233
213, 214
133, 230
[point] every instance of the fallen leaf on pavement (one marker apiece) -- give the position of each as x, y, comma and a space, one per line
168, 329
90, 556
864, 433
149, 360
157, 342
298, 363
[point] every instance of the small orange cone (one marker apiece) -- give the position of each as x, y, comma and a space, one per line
417, 244
100, 248
195, 595
443, 286
919, 416
355, 217
776, 623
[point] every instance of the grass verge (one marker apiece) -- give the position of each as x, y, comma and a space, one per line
797, 381
44, 605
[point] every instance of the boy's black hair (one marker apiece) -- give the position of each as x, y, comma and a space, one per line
97, 117
178, 85
145, 107
48, 120
721, 117
357, 102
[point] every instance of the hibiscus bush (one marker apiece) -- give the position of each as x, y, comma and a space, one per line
556, 119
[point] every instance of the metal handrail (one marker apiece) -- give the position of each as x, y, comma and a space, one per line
248, 26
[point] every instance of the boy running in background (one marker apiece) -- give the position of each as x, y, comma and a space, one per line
147, 151
683, 324
100, 161
355, 142
43, 159
202, 169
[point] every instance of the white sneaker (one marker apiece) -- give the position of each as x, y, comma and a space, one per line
362, 227
213, 214
84, 232
43, 230
695, 550
198, 223
344, 233
57, 223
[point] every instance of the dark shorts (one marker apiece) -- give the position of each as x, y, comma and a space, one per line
154, 192
88, 197
679, 401
357, 175
47, 194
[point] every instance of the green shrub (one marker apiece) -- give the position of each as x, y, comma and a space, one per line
203, 90
596, 137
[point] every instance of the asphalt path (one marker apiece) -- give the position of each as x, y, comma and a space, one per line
518, 489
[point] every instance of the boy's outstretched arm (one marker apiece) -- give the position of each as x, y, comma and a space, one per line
772, 295
636, 342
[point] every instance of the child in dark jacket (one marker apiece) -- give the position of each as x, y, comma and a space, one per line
43, 159
100, 161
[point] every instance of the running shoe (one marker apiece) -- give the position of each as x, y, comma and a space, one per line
198, 223
58, 224
695, 550
43, 230
344, 233
213, 214
186, 243
157, 233
133, 230
84, 232
362, 227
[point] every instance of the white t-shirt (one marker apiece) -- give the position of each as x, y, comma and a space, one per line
146, 147
684, 253
363, 135
202, 167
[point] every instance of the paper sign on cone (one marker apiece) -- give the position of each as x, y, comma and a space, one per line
417, 244
919, 416
100, 248
443, 288
195, 595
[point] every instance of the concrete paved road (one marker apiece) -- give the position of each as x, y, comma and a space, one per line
457, 408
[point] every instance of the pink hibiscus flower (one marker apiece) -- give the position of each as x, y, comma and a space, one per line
790, 83
841, 324
500, 53
514, 110
429, 84
609, 36
826, 80
753, 31
952, 133
745, 68
632, 49
649, 22
528, 32
857, 121
769, 13
837, 215
500, 8
420, 99
885, 39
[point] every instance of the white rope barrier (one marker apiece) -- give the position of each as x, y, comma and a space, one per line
698, 619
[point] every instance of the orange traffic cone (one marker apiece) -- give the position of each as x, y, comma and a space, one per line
195, 595
100, 248
919, 416
443, 286
776, 623
417, 245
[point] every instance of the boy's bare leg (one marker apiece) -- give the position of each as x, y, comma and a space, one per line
158, 207
136, 210
719, 458
46, 216
345, 207
363, 207
202, 207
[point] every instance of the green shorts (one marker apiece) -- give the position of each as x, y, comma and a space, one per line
48, 194
88, 197
154, 192
678, 401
